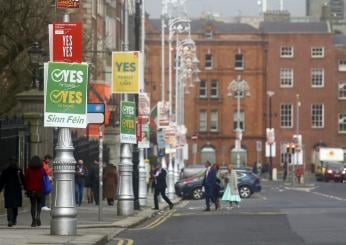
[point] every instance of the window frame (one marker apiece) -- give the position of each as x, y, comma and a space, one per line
203, 113
239, 61
342, 116
286, 51
315, 53
286, 122
314, 77
342, 90
214, 121
212, 82
286, 74
205, 89
208, 65
315, 118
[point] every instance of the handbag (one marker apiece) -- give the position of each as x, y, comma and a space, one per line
47, 185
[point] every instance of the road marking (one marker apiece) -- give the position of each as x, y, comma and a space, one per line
122, 241
183, 204
329, 196
156, 222
229, 212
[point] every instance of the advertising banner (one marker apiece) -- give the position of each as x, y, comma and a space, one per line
143, 105
145, 139
160, 139
67, 4
65, 95
128, 122
126, 72
66, 42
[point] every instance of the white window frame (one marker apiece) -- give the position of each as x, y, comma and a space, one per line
342, 123
342, 90
214, 89
342, 65
286, 77
286, 51
203, 87
241, 120
214, 121
317, 52
317, 115
100, 7
208, 62
93, 8
317, 76
286, 117
209, 34
203, 121
239, 63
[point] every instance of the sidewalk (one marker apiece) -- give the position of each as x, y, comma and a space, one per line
89, 229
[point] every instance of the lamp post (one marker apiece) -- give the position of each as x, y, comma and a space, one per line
238, 88
35, 55
270, 95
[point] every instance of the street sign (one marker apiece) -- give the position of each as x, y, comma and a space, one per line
66, 45
65, 95
96, 113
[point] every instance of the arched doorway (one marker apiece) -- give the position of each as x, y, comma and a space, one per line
208, 154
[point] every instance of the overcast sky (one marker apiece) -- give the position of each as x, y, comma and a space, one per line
229, 7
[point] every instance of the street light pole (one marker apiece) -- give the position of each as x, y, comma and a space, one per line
270, 94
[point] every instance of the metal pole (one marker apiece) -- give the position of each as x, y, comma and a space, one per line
142, 193
163, 15
125, 204
64, 212
177, 107
238, 123
270, 145
100, 171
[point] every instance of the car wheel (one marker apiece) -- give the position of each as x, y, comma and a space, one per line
197, 193
244, 191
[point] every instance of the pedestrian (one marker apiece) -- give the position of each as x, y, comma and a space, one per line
231, 193
254, 168
46, 163
12, 180
34, 188
285, 166
89, 192
94, 180
217, 186
160, 186
110, 180
209, 184
80, 176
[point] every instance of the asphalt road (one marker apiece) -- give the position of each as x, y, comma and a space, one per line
279, 215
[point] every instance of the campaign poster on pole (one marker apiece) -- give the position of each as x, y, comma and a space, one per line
65, 95
128, 122
145, 139
67, 4
66, 42
163, 114
126, 72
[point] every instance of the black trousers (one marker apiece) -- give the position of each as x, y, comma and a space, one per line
12, 214
163, 194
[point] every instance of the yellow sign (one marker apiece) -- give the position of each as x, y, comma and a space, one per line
126, 72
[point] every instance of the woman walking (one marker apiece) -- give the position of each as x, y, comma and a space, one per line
110, 180
231, 193
34, 188
11, 181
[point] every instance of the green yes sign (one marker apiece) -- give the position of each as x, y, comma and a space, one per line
128, 122
65, 95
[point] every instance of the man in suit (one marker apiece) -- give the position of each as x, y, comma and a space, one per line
160, 186
209, 184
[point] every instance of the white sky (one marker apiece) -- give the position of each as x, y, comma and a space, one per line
228, 8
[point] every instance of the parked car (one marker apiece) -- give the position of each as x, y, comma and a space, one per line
191, 187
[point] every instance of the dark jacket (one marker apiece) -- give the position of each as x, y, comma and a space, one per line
209, 180
160, 179
12, 181
81, 173
94, 176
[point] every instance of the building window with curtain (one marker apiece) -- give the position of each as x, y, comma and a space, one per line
342, 90
214, 89
203, 116
214, 121
317, 116
286, 116
342, 123
241, 120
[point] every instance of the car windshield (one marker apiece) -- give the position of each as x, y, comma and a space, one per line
334, 166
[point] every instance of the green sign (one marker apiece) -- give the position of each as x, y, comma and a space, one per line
128, 122
65, 95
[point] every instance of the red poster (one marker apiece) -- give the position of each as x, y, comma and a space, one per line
67, 42
67, 4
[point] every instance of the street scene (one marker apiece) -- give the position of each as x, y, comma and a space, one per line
172, 122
